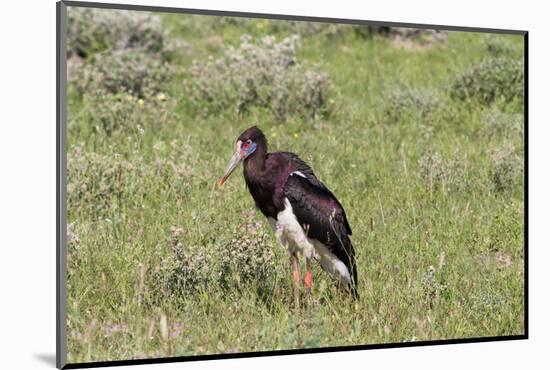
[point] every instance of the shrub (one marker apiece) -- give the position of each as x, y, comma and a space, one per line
506, 232
124, 112
508, 168
505, 124
186, 270
131, 71
172, 162
496, 46
73, 243
306, 29
216, 25
94, 180
246, 256
91, 31
431, 167
98, 183
490, 80
490, 302
425, 37
444, 174
262, 74
433, 288
405, 101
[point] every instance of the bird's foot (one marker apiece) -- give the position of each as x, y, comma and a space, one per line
308, 281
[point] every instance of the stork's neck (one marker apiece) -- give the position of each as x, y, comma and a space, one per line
254, 165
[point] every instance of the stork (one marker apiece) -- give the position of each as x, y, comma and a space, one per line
302, 211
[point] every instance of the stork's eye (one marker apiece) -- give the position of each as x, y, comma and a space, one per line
246, 144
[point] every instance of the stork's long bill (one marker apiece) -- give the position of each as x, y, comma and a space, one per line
233, 163
241, 152
235, 160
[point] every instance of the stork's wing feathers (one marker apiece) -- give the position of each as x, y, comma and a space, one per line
321, 215
302, 168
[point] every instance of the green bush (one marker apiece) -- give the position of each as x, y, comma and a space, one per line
122, 112
504, 124
244, 257
248, 255
98, 184
490, 80
95, 181
420, 36
508, 168
90, 31
131, 71
187, 269
433, 286
497, 46
216, 25
73, 244
262, 73
446, 174
308, 29
402, 102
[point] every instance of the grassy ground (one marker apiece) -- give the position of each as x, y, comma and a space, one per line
434, 199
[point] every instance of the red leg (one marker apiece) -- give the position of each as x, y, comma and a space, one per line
308, 278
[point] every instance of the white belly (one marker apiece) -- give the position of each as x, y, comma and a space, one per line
291, 235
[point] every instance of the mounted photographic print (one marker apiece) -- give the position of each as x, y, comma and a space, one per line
235, 184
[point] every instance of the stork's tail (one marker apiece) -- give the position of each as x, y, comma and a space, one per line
349, 261
354, 281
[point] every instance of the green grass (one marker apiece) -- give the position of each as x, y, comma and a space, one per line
465, 231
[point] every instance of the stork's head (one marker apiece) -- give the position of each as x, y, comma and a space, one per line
247, 144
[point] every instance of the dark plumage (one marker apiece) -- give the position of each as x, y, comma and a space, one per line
319, 211
281, 178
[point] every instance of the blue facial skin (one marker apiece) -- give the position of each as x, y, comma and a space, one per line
251, 148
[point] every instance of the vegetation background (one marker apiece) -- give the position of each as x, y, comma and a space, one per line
419, 133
